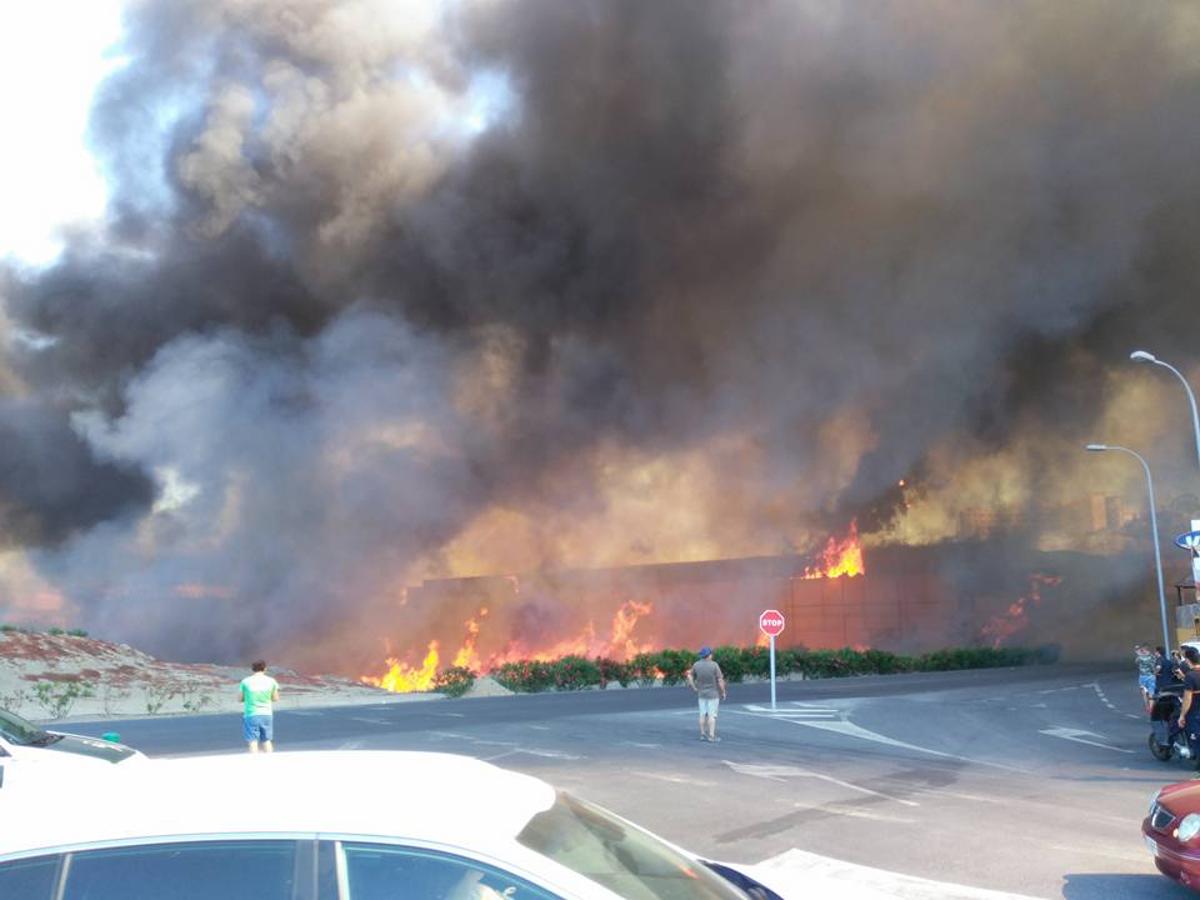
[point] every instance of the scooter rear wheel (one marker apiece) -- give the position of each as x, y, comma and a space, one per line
1162, 752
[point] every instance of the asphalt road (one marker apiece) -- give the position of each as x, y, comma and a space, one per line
1032, 781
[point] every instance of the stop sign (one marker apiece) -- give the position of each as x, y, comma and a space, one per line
771, 622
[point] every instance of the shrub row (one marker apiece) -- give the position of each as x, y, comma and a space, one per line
454, 681
573, 673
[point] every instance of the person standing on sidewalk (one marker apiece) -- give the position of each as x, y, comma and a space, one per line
708, 681
258, 691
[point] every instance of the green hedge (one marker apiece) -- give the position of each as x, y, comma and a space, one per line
612, 670
454, 681
573, 673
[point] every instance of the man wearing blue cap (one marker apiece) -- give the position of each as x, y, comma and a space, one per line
708, 681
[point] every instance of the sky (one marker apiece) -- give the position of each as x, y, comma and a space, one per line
47, 76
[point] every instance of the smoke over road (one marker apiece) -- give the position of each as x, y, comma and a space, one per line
391, 291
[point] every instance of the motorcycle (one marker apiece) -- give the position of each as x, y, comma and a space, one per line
1167, 740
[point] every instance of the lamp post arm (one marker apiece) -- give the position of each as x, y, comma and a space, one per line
1162, 596
1191, 399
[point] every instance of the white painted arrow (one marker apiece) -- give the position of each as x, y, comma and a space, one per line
849, 729
779, 773
1079, 736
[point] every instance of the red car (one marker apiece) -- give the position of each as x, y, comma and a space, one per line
1172, 832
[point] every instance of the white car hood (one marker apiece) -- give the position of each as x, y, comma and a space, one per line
800, 874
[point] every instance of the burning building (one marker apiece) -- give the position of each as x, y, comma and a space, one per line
653, 295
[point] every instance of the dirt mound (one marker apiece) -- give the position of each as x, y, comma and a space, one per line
49, 676
486, 686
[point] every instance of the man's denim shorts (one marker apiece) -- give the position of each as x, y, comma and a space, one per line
1147, 683
708, 706
258, 728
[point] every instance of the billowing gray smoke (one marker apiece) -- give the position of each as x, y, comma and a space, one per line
372, 269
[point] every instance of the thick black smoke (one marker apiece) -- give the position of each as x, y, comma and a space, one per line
51, 482
372, 269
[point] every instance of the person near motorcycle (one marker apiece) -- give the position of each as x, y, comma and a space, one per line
1189, 711
1144, 660
1167, 673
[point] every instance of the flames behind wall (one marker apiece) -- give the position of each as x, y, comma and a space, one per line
390, 293
905, 599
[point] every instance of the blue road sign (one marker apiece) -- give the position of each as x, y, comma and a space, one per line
1189, 540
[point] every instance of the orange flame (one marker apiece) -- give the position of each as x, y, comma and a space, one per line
402, 679
840, 558
1016, 619
620, 644
626, 619
466, 656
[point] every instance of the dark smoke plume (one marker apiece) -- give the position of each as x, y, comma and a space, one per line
51, 482
386, 286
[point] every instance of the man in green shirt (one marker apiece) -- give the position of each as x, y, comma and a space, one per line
257, 692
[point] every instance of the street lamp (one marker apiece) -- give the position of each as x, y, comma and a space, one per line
1162, 597
1143, 356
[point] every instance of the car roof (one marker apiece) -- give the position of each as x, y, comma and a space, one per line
434, 797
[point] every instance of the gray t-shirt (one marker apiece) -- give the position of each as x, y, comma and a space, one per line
705, 673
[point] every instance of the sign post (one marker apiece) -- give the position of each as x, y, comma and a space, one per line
1190, 541
771, 624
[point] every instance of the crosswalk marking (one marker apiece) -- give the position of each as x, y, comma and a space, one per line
795, 711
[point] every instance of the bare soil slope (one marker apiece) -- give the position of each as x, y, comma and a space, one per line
50, 676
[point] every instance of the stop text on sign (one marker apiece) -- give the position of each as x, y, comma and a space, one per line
771, 622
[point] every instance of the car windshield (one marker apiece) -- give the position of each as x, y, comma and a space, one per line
624, 859
18, 731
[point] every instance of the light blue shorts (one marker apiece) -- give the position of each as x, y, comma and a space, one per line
258, 728
708, 706
1147, 683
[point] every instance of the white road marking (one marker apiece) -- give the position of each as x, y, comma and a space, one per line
851, 730
782, 773
531, 751
852, 812
452, 715
1079, 736
958, 795
1074, 687
549, 754
796, 712
676, 779
641, 745
1095, 685
369, 721
498, 756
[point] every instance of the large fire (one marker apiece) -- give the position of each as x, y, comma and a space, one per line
402, 679
619, 640
619, 644
840, 557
